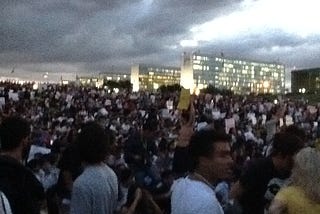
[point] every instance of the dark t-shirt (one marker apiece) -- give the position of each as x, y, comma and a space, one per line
24, 192
181, 161
70, 162
254, 180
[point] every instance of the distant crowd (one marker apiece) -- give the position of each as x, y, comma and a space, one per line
76, 149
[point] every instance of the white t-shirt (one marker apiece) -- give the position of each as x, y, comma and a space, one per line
193, 197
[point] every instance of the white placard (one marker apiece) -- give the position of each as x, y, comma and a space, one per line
107, 103
289, 120
14, 96
37, 149
153, 98
264, 119
2, 101
103, 112
281, 122
216, 115
252, 118
142, 112
69, 98
229, 123
169, 104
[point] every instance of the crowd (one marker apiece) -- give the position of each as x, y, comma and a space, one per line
75, 149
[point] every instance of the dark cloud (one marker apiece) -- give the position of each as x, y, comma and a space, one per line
100, 34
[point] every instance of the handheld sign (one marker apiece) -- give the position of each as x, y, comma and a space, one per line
184, 100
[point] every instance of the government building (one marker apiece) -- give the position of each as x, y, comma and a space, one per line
151, 77
240, 76
305, 80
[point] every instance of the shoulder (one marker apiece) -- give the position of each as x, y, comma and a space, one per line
193, 193
95, 175
193, 197
289, 192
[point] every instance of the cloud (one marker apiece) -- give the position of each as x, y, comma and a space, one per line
91, 36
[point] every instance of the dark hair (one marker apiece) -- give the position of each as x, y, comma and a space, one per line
201, 144
286, 144
12, 131
295, 130
125, 174
93, 143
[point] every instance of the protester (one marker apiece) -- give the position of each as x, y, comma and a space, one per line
263, 177
24, 192
96, 189
211, 157
303, 193
152, 134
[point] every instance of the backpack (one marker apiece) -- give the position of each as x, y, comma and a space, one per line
4, 204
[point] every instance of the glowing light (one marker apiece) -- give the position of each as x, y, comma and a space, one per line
116, 90
197, 91
155, 86
35, 86
275, 102
189, 43
266, 84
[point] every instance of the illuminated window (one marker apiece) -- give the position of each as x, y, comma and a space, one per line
197, 67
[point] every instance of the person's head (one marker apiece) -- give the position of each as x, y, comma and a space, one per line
306, 172
93, 143
167, 177
14, 135
285, 146
126, 177
210, 152
295, 130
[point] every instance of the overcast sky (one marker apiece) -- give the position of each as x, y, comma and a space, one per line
90, 36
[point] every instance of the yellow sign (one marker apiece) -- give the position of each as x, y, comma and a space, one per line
184, 100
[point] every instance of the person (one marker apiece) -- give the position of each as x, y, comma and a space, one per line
4, 204
179, 165
303, 194
139, 200
211, 162
24, 192
263, 178
96, 189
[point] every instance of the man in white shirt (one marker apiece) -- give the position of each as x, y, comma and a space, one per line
210, 152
